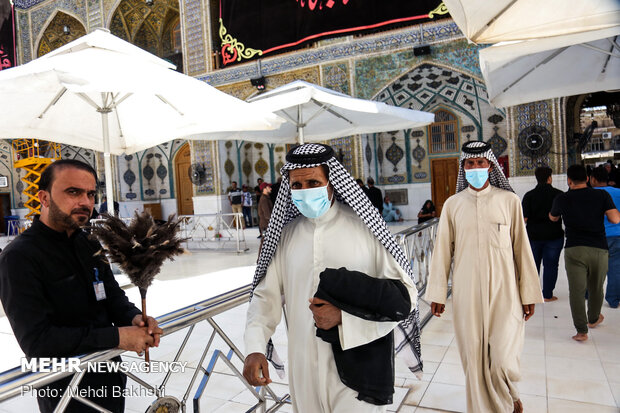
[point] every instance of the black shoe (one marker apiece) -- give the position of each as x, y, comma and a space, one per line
259, 236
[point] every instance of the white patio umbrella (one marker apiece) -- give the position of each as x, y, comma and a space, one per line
484, 21
526, 71
102, 93
313, 113
557, 47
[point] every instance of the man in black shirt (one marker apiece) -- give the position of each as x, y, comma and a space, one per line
235, 196
63, 301
546, 237
585, 253
374, 194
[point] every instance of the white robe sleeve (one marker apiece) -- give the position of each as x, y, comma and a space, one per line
441, 260
265, 310
355, 331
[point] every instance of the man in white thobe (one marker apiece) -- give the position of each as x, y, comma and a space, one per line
495, 284
297, 248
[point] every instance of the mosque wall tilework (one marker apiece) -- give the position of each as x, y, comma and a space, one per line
196, 46
433, 32
205, 153
429, 85
12, 175
32, 22
336, 77
245, 162
95, 14
109, 6
148, 175
447, 78
24, 40
544, 120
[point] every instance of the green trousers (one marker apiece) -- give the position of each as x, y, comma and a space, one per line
585, 268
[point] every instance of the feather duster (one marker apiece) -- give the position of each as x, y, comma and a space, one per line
139, 248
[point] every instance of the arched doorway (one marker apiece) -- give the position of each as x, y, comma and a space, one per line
184, 187
62, 29
443, 139
154, 26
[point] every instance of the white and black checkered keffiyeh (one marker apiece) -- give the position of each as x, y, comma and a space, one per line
480, 149
347, 191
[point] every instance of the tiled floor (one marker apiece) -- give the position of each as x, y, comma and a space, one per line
558, 374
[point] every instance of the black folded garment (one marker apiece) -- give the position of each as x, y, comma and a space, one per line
367, 369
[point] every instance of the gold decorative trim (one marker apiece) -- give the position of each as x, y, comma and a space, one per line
441, 9
232, 49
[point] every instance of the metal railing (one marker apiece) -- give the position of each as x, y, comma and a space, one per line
218, 229
15, 227
418, 242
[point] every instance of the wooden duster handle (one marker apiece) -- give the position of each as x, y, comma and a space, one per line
146, 351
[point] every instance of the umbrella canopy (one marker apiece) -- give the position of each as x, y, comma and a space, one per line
556, 47
484, 21
313, 113
102, 93
527, 71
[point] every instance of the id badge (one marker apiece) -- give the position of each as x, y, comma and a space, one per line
99, 290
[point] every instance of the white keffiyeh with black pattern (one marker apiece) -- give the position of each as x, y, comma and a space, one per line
407, 334
480, 149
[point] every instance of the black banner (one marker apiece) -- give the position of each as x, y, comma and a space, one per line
252, 28
7, 35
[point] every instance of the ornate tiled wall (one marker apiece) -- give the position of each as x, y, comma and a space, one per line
147, 175
195, 42
95, 14
205, 153
23, 37
337, 77
345, 48
245, 162
445, 79
6, 169
537, 130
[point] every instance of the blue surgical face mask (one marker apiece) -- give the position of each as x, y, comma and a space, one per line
312, 202
477, 177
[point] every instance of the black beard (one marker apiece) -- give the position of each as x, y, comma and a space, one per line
65, 221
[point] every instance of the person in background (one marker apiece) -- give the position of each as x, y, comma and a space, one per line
265, 206
612, 231
390, 214
247, 206
361, 185
546, 237
375, 195
612, 172
275, 188
427, 212
585, 253
257, 189
482, 246
235, 197
104, 207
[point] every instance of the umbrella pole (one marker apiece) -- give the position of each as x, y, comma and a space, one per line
300, 128
107, 162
